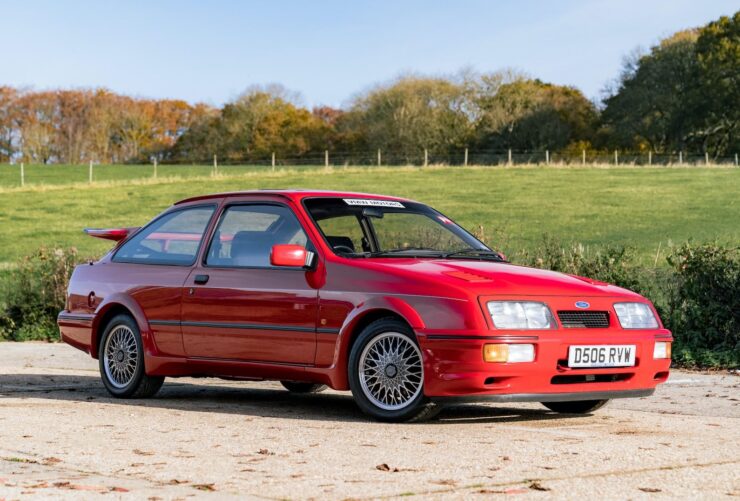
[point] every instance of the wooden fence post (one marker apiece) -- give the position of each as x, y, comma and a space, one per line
706, 158
378, 157
616, 158
583, 159
509, 156
680, 158
326, 158
547, 157
155, 167
465, 162
90, 173
650, 157
23, 173
426, 157
273, 161
735, 159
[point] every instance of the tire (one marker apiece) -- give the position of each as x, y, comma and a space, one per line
302, 387
403, 376
125, 377
575, 407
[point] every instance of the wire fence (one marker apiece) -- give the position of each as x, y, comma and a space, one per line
20, 174
470, 157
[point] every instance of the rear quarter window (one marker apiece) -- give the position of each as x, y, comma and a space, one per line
172, 239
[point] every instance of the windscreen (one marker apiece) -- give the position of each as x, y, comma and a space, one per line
362, 226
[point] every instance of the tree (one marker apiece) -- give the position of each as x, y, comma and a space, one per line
526, 114
410, 115
717, 115
8, 110
651, 108
258, 123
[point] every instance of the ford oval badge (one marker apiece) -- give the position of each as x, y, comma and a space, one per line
582, 304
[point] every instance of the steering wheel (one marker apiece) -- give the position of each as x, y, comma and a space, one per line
344, 249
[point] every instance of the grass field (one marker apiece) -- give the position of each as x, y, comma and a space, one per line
639, 207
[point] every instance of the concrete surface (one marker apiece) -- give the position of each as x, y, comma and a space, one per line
61, 436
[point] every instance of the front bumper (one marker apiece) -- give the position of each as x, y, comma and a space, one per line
454, 366
548, 397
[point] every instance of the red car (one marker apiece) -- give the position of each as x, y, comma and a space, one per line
382, 296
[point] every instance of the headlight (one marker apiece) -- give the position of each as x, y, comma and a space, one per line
520, 315
635, 316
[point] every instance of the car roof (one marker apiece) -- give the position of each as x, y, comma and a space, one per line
292, 193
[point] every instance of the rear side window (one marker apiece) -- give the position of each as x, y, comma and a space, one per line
173, 239
246, 233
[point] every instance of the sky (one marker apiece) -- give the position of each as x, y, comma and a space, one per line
328, 51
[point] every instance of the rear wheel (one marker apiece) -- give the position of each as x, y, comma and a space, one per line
386, 373
301, 387
575, 407
121, 361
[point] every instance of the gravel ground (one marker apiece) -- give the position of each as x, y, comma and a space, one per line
61, 436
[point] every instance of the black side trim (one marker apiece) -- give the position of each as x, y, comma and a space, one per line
229, 325
164, 322
327, 331
481, 338
547, 397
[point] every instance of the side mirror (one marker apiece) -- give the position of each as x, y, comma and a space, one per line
293, 256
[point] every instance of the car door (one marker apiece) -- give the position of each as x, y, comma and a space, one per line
236, 306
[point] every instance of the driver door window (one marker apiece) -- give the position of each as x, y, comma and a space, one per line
246, 234
241, 307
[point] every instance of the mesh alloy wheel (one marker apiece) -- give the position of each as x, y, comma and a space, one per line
121, 360
391, 372
120, 356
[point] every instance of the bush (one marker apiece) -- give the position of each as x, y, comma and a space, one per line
34, 294
704, 307
609, 264
698, 296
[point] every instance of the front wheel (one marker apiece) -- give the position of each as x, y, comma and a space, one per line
121, 360
386, 373
575, 407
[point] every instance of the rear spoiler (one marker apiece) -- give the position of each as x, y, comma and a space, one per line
115, 234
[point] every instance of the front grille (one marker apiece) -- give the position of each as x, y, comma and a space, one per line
584, 319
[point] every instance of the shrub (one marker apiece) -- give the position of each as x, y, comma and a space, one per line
35, 292
609, 264
704, 307
698, 296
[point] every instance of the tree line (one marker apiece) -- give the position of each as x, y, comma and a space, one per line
681, 95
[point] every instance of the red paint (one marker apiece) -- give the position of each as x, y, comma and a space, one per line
298, 324
288, 255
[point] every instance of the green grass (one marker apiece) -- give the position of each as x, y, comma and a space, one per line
642, 208
10, 175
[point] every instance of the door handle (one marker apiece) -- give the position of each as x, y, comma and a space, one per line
201, 279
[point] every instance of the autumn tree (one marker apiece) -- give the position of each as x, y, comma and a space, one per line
412, 114
8, 110
527, 114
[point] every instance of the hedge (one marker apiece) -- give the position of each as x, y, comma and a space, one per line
697, 294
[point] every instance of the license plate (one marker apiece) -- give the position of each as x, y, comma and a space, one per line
602, 356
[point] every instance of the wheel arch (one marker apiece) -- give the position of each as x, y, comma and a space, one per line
117, 305
387, 307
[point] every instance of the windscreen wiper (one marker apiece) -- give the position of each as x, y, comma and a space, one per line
427, 252
477, 254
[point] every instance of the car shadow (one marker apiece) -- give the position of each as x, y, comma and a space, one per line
245, 400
